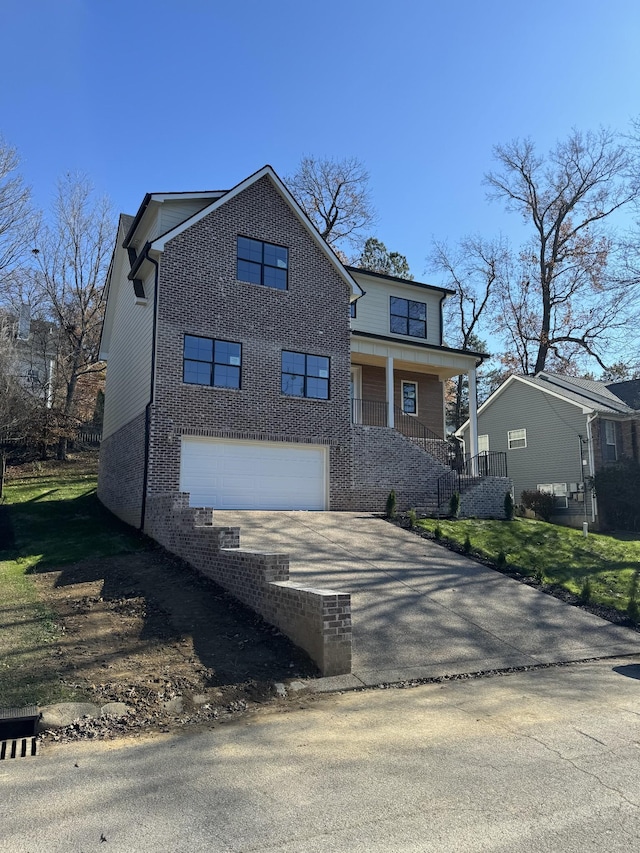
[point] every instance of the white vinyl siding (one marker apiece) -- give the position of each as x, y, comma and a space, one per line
128, 376
172, 213
517, 438
373, 313
227, 474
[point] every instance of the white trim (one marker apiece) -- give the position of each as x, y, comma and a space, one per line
355, 378
511, 437
159, 243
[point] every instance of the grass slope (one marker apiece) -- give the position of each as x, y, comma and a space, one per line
49, 520
561, 555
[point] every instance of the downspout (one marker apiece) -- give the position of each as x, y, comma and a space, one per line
442, 299
592, 465
147, 419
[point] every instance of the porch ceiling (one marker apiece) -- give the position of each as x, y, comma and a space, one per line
435, 361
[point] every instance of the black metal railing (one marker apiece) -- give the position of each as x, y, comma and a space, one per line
487, 464
369, 412
420, 433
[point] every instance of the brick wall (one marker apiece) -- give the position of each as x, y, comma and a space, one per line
121, 471
199, 294
383, 460
627, 440
485, 499
319, 621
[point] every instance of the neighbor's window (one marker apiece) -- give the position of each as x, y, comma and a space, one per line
262, 263
517, 438
305, 375
483, 444
211, 362
410, 398
408, 317
559, 492
610, 449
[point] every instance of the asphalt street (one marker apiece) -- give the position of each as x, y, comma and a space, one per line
545, 760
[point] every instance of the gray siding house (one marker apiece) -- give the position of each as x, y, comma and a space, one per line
557, 431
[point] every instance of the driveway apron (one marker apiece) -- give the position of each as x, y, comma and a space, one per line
420, 610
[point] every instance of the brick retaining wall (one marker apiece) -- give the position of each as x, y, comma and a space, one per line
317, 620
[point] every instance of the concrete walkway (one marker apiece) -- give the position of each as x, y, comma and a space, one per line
420, 610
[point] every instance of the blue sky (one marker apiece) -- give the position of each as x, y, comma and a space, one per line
154, 96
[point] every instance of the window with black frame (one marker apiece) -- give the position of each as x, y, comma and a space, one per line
408, 317
305, 375
207, 361
262, 263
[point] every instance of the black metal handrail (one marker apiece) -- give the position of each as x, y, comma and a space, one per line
413, 428
490, 463
369, 412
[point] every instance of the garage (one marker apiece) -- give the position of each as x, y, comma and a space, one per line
226, 474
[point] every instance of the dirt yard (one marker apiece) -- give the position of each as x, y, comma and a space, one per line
145, 630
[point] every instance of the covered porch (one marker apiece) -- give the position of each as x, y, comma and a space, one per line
401, 386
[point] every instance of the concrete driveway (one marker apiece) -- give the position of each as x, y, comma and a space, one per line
419, 610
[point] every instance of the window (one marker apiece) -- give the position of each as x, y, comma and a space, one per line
352, 309
408, 317
609, 448
559, 492
483, 444
410, 398
305, 375
262, 263
517, 438
209, 362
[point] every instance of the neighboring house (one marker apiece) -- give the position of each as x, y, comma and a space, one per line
31, 350
557, 431
248, 368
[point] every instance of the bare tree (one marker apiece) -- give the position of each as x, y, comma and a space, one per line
335, 196
472, 269
72, 256
569, 292
16, 214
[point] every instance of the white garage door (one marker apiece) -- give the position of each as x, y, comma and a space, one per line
253, 474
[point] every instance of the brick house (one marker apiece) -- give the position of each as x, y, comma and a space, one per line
248, 368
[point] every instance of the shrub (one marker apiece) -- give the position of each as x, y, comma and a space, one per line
413, 518
540, 502
509, 507
617, 488
585, 592
467, 545
392, 504
437, 532
454, 505
501, 560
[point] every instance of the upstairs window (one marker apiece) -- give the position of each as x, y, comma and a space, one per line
211, 362
305, 375
262, 263
516, 438
408, 317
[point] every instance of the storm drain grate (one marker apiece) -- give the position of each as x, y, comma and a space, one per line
18, 732
18, 748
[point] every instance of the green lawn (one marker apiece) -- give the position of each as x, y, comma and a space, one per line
562, 555
56, 519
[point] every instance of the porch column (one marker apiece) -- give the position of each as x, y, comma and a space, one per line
473, 420
390, 417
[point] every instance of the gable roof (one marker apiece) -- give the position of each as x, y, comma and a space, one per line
267, 171
587, 394
628, 392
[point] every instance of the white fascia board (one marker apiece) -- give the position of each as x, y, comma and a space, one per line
159, 243
492, 397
